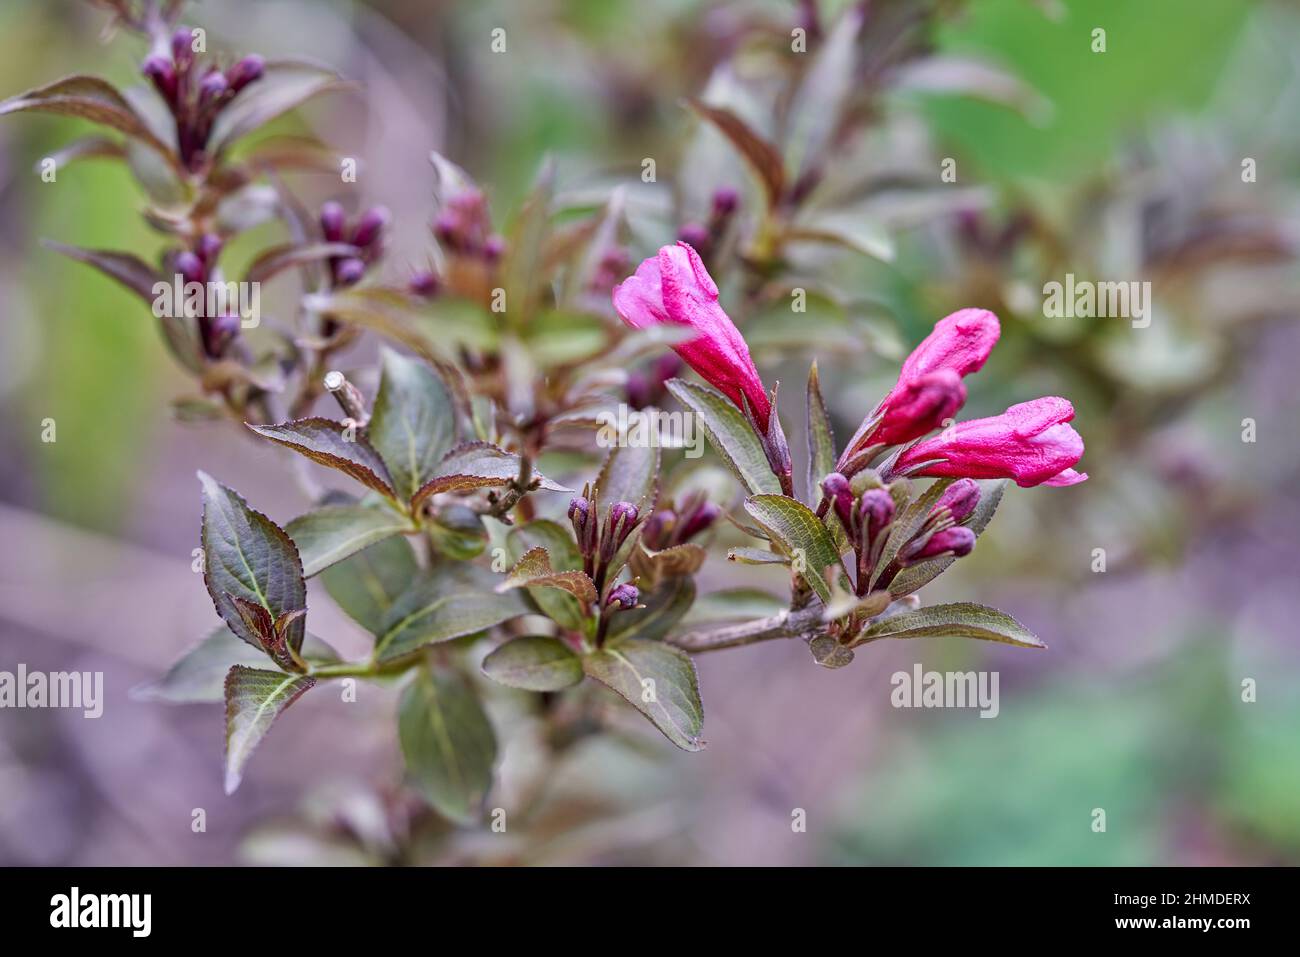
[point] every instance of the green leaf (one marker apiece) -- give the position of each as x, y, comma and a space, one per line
335, 445
852, 229
665, 606
821, 441
89, 98
449, 604
734, 604
907, 522
448, 744
254, 699
534, 663
474, 465
800, 532
533, 570
284, 84
731, 436
413, 422
564, 556
331, 534
276, 259
199, 676
248, 556
366, 585
829, 653
911, 579
656, 679
763, 158
756, 556
958, 620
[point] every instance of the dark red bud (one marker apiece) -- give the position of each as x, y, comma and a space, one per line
960, 498
424, 283
183, 47
836, 487
876, 509
958, 540
209, 248
190, 266
493, 248
370, 225
162, 74
697, 521
625, 596
695, 234
332, 222
349, 271
244, 72
725, 201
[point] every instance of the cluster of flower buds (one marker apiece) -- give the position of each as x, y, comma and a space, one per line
705, 237
196, 94
676, 526
367, 235
599, 542
463, 227
867, 519
199, 265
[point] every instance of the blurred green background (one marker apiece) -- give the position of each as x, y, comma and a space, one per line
1136, 709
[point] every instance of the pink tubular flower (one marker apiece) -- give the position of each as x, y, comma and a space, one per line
929, 390
1029, 442
675, 288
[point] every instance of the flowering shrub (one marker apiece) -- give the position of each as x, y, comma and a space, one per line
505, 350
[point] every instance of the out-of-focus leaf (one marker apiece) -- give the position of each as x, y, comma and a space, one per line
556, 337
248, 556
734, 604
665, 606
524, 250
564, 556
448, 743
534, 663
800, 533
672, 562
200, 674
88, 147
533, 570
89, 98
756, 556
910, 579
284, 84
656, 679
413, 423
254, 699
731, 436
821, 441
367, 584
129, 270
848, 228
331, 534
477, 465
967, 76
330, 443
958, 620
763, 158
815, 110
630, 474
449, 604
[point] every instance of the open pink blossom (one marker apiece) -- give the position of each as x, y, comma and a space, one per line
1030, 442
929, 390
675, 288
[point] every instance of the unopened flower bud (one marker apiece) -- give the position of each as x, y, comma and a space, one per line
696, 521
960, 498
370, 225
695, 234
658, 530
183, 48
245, 71
624, 596
876, 509
424, 284
725, 201
618, 526
162, 74
922, 405
349, 271
958, 540
190, 266
332, 221
212, 87
579, 512
836, 487
209, 248
494, 248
